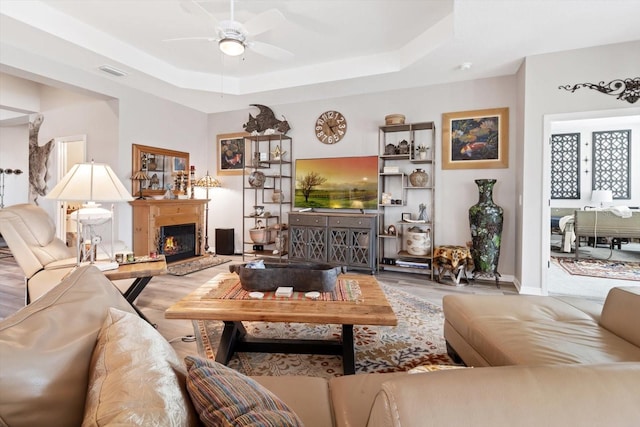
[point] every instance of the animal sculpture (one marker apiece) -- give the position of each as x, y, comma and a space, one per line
38, 158
265, 122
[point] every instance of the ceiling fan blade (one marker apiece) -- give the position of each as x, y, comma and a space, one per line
265, 21
270, 51
193, 7
179, 39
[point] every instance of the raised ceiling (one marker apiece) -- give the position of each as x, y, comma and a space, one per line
340, 47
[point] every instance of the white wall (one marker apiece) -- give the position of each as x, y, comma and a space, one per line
543, 75
456, 190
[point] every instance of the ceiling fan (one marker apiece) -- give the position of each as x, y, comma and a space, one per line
234, 37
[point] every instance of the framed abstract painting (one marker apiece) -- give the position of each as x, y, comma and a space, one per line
231, 153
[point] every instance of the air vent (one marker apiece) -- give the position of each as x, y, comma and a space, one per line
112, 70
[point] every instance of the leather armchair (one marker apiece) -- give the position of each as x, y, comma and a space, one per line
44, 259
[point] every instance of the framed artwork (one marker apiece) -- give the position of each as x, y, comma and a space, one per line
232, 154
179, 164
477, 139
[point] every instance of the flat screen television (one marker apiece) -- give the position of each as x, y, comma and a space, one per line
337, 183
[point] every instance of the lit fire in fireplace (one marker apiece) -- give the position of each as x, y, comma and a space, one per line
170, 245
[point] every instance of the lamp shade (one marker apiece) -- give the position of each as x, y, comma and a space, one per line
208, 181
601, 196
94, 182
230, 46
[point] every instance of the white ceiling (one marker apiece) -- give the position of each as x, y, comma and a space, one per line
340, 47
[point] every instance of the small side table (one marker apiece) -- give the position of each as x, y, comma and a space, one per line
454, 260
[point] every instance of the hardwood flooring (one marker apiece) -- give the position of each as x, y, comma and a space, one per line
165, 290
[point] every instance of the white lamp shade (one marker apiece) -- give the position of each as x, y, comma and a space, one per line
95, 182
230, 46
601, 196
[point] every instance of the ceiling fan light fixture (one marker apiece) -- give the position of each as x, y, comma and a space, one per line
230, 46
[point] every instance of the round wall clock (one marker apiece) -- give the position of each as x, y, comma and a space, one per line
331, 127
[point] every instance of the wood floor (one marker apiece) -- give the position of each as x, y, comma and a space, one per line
163, 291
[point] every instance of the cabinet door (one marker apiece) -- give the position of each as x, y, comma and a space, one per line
361, 243
308, 244
339, 246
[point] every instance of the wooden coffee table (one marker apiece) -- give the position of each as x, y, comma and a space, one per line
372, 309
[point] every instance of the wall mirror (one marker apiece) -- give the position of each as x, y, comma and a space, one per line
165, 169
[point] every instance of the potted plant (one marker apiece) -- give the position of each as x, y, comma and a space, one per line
422, 152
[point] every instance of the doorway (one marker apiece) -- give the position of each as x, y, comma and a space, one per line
69, 151
554, 280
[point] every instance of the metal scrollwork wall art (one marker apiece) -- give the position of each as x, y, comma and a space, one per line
624, 89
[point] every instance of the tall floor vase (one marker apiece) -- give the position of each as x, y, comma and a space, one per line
485, 220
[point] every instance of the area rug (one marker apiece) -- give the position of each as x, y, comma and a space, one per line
416, 340
600, 268
5, 252
182, 268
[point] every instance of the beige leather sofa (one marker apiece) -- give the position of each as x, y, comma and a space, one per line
497, 330
65, 361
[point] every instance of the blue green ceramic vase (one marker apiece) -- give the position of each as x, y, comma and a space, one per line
485, 219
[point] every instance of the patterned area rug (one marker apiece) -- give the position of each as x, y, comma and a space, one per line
416, 340
182, 268
600, 268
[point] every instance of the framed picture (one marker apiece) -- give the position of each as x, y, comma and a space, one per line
406, 216
179, 164
477, 139
231, 153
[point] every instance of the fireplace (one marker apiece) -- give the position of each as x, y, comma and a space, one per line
177, 241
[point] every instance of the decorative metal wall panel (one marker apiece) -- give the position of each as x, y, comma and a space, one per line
611, 162
565, 166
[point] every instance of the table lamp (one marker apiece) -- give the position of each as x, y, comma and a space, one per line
140, 176
90, 183
601, 197
207, 182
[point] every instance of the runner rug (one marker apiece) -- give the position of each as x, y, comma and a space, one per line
600, 268
416, 340
182, 268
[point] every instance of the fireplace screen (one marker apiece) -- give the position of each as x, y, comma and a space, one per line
177, 241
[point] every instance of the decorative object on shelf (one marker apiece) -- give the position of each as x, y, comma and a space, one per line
386, 199
4, 172
418, 241
406, 216
259, 234
419, 178
151, 164
277, 196
623, 89
258, 211
192, 181
422, 212
391, 230
232, 156
141, 177
390, 150
278, 153
207, 182
264, 121
485, 219
394, 119
403, 147
477, 139
257, 179
330, 127
90, 183
38, 159
422, 152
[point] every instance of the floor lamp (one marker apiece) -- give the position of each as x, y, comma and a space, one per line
90, 183
207, 182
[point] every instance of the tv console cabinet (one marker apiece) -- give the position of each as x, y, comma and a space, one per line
334, 238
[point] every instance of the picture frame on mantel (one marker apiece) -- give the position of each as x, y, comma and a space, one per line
476, 139
231, 153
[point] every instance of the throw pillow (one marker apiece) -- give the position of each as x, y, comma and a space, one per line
223, 396
45, 350
135, 374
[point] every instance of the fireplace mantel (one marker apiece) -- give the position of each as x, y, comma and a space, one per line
150, 215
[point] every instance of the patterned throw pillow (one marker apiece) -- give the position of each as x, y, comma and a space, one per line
223, 396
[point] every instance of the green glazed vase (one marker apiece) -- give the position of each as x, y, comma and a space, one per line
485, 220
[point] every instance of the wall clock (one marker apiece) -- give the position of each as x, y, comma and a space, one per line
331, 127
